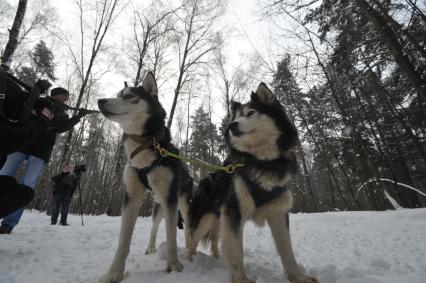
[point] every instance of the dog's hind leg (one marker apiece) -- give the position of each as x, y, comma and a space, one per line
279, 225
134, 192
214, 235
157, 216
205, 227
171, 215
184, 209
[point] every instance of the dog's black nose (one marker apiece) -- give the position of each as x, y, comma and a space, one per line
102, 102
233, 126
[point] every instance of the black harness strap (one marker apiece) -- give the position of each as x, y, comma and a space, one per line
259, 194
143, 173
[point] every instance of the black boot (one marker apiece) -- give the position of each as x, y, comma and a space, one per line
64, 224
6, 229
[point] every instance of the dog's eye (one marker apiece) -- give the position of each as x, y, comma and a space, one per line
251, 113
128, 96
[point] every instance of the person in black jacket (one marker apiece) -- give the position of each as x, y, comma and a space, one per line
38, 153
12, 138
65, 184
22, 121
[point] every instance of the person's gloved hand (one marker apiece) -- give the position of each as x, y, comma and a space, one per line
83, 112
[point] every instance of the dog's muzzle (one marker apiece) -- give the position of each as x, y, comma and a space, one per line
102, 108
101, 104
234, 129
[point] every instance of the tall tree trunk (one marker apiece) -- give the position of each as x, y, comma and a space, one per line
384, 96
181, 74
321, 149
120, 160
365, 159
307, 177
395, 48
12, 44
105, 21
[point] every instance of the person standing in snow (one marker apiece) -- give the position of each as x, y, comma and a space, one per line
23, 119
38, 153
13, 137
65, 184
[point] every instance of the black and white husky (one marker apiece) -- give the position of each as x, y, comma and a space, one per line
141, 116
261, 137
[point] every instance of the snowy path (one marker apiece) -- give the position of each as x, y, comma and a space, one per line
343, 247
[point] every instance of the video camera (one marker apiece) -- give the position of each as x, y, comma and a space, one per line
18, 100
67, 107
80, 168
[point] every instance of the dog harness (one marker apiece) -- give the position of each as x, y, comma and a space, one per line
259, 194
145, 143
143, 173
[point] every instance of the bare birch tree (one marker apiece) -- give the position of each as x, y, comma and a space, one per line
101, 15
12, 43
194, 41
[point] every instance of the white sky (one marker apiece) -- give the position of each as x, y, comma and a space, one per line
248, 36
240, 16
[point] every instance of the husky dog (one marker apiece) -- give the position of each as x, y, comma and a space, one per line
141, 116
261, 137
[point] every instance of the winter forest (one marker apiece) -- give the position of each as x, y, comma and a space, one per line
351, 75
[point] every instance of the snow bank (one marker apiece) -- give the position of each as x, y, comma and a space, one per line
343, 247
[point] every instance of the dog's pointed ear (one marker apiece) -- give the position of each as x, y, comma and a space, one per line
150, 84
125, 84
263, 94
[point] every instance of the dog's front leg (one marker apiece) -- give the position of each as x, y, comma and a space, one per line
171, 215
279, 225
184, 209
157, 216
134, 192
232, 248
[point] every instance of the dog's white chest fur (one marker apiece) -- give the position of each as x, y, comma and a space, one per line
143, 159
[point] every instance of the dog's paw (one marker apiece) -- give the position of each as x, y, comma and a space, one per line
305, 279
112, 277
175, 266
150, 250
215, 254
188, 256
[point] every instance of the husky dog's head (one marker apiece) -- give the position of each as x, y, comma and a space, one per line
260, 127
136, 109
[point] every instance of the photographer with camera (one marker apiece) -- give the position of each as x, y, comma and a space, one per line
65, 185
21, 123
38, 153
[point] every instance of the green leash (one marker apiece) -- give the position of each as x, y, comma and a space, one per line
231, 168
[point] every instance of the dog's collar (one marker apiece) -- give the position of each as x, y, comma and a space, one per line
145, 142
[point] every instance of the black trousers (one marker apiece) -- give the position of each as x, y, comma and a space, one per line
13, 195
60, 200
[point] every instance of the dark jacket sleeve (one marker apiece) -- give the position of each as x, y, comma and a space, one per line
59, 177
75, 183
64, 123
14, 137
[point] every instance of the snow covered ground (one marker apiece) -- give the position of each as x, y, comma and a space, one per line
343, 247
